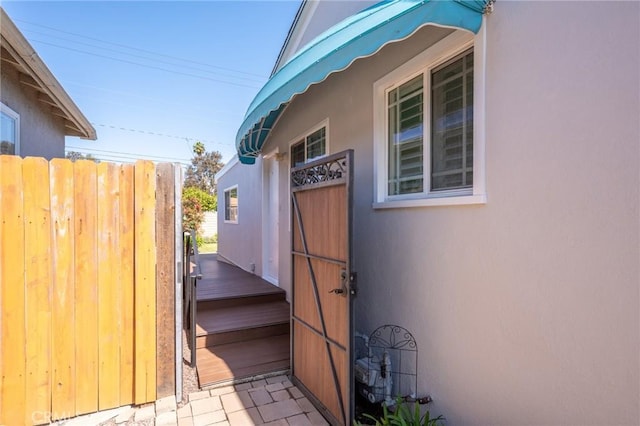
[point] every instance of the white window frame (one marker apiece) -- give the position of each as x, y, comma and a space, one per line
303, 136
444, 50
224, 195
324, 123
16, 117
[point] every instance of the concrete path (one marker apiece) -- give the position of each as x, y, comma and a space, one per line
271, 401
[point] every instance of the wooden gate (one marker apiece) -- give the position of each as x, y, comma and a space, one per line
86, 287
323, 284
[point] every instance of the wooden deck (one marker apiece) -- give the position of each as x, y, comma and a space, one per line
242, 324
222, 281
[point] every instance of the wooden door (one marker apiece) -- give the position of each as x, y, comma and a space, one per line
323, 284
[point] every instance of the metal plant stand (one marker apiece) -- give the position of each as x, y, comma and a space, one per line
389, 368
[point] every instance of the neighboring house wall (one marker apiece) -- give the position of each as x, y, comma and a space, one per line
525, 309
241, 243
209, 227
41, 133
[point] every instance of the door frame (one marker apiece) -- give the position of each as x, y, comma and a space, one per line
274, 158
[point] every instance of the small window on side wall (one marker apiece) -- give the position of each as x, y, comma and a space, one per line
9, 131
231, 205
312, 146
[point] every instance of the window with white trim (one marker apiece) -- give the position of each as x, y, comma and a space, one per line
310, 147
9, 131
429, 135
231, 204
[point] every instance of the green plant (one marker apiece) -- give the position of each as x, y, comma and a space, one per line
404, 416
193, 216
208, 202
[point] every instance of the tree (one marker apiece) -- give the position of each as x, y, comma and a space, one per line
204, 166
75, 155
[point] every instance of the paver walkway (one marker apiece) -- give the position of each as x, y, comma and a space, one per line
271, 401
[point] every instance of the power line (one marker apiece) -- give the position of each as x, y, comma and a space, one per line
144, 65
158, 134
252, 79
128, 154
141, 50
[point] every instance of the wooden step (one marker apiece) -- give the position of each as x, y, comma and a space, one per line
240, 360
238, 323
219, 302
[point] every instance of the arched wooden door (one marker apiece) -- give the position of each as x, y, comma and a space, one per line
323, 284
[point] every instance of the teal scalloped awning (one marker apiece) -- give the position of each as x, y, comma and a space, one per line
358, 36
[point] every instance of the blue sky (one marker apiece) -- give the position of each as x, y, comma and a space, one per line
167, 72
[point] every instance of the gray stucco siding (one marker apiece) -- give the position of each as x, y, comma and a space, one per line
42, 134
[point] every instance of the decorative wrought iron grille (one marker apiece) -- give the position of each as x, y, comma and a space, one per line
317, 172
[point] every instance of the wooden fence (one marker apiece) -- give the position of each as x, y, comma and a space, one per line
86, 287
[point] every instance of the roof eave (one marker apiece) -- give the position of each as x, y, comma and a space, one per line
31, 65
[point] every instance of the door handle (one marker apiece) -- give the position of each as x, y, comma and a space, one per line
343, 282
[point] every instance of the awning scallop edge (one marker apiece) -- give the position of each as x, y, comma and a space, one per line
358, 36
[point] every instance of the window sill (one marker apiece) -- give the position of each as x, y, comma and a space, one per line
231, 222
432, 202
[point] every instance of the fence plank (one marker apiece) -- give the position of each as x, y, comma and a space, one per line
86, 277
127, 284
145, 290
12, 293
165, 304
108, 287
35, 174
63, 300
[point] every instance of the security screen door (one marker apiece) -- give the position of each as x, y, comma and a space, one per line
323, 284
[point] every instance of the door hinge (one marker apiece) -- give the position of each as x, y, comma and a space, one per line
353, 281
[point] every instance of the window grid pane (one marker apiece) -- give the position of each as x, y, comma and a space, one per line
452, 124
316, 143
405, 138
298, 154
231, 205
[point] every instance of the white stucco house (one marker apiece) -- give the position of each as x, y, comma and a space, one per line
36, 111
496, 192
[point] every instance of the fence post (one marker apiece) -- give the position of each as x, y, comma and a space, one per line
178, 277
165, 310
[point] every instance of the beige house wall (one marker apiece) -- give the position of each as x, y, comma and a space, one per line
42, 134
525, 309
241, 243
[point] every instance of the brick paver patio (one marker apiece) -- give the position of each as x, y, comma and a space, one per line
270, 401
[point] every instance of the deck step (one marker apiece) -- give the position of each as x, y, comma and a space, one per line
235, 361
243, 322
219, 302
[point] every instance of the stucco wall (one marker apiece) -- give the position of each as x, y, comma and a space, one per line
41, 133
241, 243
526, 309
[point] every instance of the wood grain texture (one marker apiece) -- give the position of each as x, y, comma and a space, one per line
321, 229
12, 292
310, 364
108, 287
86, 292
145, 288
126, 241
243, 359
37, 214
63, 341
165, 280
